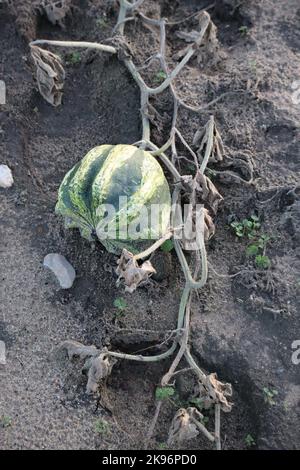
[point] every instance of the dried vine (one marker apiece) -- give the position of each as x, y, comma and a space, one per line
99, 363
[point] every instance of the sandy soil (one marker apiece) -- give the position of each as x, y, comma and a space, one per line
242, 327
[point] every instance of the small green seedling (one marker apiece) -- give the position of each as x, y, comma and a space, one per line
244, 30
252, 250
167, 246
102, 427
163, 393
262, 261
247, 227
197, 403
74, 58
162, 446
120, 304
5, 421
253, 65
249, 441
269, 395
101, 22
257, 249
263, 241
160, 76
258, 246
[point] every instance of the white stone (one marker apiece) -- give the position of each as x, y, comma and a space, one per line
2, 354
6, 177
62, 269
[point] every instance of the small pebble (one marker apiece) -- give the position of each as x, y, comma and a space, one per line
62, 269
6, 177
2, 354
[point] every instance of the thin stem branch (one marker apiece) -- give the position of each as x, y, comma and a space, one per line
154, 247
141, 358
209, 145
217, 426
203, 429
153, 422
79, 44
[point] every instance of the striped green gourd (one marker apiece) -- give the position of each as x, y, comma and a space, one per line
100, 178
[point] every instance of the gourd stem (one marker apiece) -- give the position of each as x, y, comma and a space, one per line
154, 247
165, 160
209, 145
121, 18
80, 44
134, 357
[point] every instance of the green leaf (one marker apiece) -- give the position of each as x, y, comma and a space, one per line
243, 30
197, 402
5, 421
101, 426
160, 76
263, 240
262, 262
162, 393
120, 303
74, 57
247, 223
162, 445
102, 22
251, 235
167, 246
252, 250
249, 440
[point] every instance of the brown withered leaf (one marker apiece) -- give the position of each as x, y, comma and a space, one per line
129, 270
182, 428
55, 11
209, 226
100, 367
212, 391
74, 348
208, 51
197, 221
50, 75
221, 390
202, 136
209, 192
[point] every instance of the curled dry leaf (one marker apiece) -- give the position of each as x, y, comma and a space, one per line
133, 274
202, 137
98, 363
209, 49
209, 226
74, 348
212, 391
198, 221
100, 367
182, 428
55, 11
50, 74
209, 192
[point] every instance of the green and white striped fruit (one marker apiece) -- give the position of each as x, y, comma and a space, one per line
118, 192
